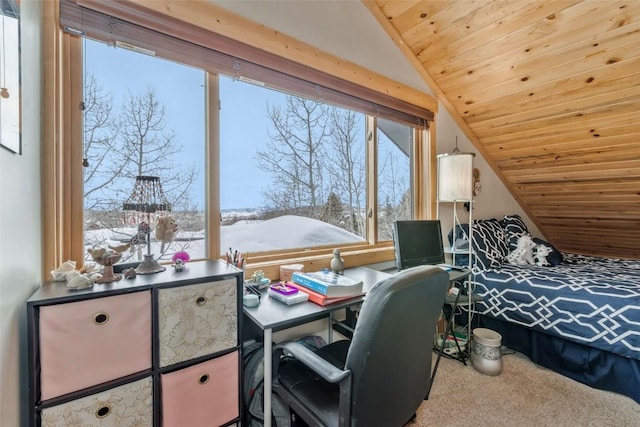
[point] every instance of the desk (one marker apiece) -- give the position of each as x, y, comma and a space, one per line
272, 316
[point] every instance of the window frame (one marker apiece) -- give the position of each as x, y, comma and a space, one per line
62, 156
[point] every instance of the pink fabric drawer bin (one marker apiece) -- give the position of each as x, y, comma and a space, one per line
201, 395
89, 342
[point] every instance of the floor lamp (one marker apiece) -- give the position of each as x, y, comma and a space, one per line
145, 205
455, 184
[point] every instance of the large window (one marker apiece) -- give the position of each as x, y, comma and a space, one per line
292, 171
144, 132
247, 156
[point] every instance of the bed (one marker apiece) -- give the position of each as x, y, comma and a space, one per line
579, 316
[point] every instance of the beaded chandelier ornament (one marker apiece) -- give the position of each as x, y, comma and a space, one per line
145, 205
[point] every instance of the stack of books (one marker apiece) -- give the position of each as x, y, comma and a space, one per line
326, 287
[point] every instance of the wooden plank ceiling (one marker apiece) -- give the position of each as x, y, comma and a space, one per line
549, 92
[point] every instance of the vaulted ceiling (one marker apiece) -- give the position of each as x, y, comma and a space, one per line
549, 92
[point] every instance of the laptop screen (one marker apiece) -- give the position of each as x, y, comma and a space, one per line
417, 242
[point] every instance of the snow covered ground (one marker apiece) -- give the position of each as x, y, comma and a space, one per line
285, 232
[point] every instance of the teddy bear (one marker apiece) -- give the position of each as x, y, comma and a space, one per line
523, 253
541, 254
166, 230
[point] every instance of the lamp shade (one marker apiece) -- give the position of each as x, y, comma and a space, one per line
455, 176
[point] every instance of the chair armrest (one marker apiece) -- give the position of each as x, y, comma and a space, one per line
320, 366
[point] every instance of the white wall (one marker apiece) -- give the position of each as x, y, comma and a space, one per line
493, 200
20, 225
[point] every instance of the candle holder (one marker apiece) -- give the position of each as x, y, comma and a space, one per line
107, 261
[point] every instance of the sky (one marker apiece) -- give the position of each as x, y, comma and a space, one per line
180, 89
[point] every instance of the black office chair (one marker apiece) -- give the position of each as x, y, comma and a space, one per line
381, 376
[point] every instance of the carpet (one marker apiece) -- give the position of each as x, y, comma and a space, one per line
524, 394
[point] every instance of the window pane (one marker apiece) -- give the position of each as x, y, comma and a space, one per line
292, 171
394, 175
143, 116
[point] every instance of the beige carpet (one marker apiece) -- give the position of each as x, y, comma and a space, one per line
524, 394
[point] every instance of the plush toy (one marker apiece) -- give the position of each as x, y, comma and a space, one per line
166, 230
541, 254
523, 253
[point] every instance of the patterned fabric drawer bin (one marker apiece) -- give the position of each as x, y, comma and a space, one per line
205, 394
88, 342
197, 320
126, 405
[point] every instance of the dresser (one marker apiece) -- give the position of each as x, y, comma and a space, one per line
157, 350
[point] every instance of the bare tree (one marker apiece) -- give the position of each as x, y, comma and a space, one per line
294, 156
148, 146
100, 139
347, 166
120, 145
394, 190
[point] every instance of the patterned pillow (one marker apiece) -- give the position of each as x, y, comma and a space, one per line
489, 243
514, 228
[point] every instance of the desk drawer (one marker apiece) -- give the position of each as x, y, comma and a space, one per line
89, 342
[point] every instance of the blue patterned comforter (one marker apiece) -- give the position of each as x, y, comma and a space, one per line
589, 300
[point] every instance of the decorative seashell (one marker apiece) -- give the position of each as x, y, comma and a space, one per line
94, 275
130, 273
121, 248
60, 273
58, 276
96, 254
70, 275
67, 266
80, 282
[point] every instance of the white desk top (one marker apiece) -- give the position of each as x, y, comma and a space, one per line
271, 314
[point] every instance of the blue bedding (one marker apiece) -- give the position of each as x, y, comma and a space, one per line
588, 300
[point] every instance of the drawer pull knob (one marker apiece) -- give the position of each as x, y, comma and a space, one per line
204, 379
100, 318
103, 411
201, 300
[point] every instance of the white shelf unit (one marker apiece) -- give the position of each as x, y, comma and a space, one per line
452, 250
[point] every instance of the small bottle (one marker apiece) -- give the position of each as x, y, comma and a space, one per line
337, 263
